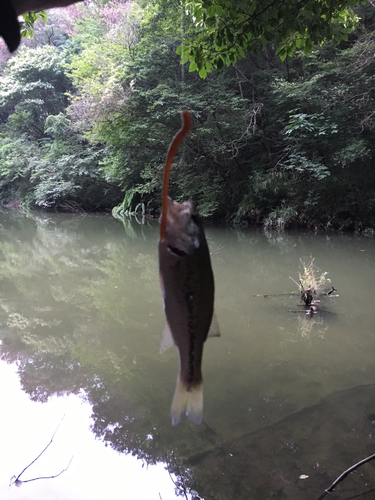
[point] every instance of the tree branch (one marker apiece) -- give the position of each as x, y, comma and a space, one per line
346, 473
16, 480
50, 477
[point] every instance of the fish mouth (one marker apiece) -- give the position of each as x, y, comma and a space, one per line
177, 251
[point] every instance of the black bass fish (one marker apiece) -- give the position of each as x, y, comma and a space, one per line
187, 286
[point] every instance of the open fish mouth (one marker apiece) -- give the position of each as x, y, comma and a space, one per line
177, 251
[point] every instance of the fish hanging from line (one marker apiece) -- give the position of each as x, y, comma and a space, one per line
187, 286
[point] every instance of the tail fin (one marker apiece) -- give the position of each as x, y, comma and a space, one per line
188, 402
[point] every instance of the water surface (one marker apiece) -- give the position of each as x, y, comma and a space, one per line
286, 394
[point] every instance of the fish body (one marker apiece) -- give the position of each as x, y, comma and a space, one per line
187, 285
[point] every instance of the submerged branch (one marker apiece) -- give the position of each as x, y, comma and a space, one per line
16, 480
346, 473
40, 454
265, 295
50, 477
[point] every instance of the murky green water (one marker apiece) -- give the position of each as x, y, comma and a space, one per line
286, 394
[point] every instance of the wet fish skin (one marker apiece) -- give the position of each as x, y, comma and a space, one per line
187, 285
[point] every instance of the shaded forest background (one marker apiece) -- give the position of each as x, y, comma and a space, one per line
89, 105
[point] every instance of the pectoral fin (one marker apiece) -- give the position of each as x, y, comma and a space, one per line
166, 339
214, 330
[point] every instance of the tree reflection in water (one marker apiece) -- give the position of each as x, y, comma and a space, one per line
70, 313
81, 313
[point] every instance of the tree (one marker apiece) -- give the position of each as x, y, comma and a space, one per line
229, 28
131, 95
271, 140
45, 162
34, 86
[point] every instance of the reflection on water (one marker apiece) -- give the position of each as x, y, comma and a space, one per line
286, 394
95, 472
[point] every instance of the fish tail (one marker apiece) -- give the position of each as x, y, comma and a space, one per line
188, 401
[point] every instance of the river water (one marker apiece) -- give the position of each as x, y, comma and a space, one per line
289, 397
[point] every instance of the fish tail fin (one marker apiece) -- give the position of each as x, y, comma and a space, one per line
187, 401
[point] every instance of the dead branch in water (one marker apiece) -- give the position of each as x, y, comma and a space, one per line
311, 281
16, 480
346, 473
18, 483
265, 295
311, 284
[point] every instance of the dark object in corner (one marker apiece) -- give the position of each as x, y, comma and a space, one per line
9, 25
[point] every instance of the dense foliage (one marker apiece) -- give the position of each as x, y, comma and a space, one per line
229, 27
90, 104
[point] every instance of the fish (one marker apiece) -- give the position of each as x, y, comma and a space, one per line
188, 290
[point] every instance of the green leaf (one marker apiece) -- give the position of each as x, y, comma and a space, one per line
193, 67
202, 72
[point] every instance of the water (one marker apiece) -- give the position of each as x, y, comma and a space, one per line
286, 395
